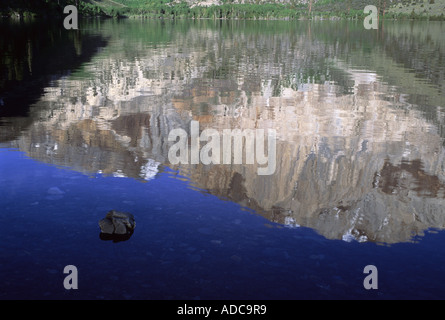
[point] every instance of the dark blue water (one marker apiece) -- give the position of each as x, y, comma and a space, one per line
186, 245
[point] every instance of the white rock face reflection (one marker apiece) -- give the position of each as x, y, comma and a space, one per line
150, 170
356, 160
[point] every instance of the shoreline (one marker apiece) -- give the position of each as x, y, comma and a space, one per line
237, 12
32, 17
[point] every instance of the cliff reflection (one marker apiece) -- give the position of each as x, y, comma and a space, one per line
32, 56
356, 158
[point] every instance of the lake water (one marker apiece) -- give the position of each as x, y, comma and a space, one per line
359, 118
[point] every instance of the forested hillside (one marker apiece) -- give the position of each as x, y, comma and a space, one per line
229, 9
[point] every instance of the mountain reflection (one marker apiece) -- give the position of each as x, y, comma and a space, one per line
359, 155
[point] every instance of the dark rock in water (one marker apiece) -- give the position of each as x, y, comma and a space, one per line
117, 226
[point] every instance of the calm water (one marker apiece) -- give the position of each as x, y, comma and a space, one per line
360, 179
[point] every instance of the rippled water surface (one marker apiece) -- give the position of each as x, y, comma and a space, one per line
360, 175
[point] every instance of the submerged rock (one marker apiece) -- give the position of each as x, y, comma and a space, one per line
117, 226
55, 191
